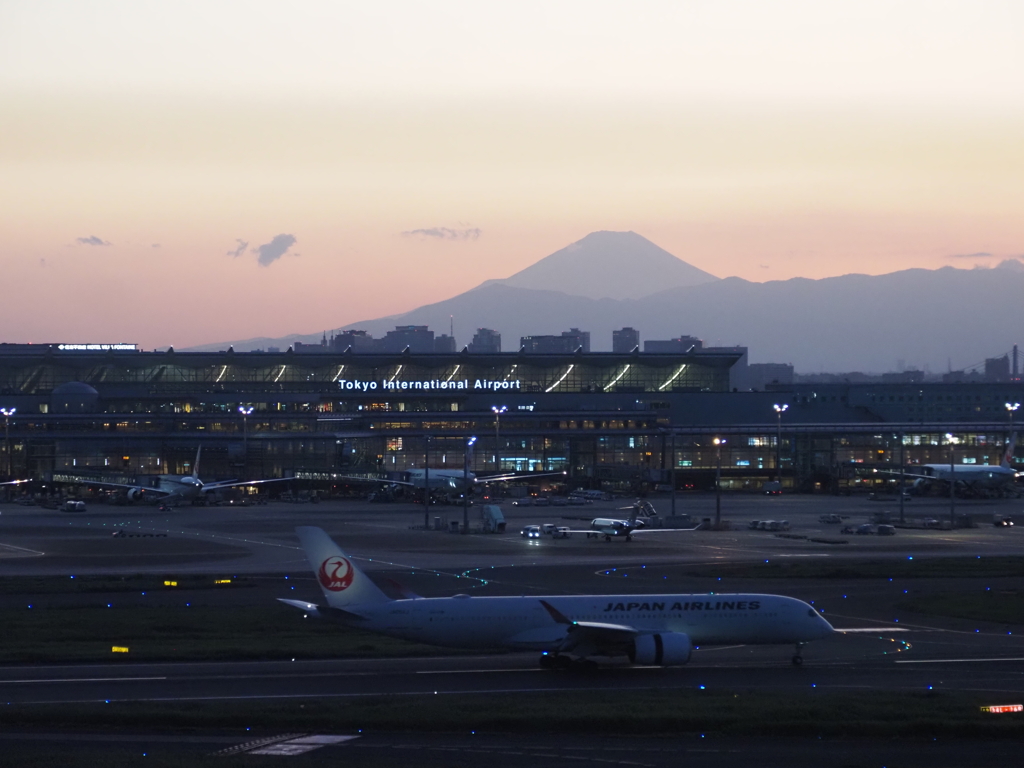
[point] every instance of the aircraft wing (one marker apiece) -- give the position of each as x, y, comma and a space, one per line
234, 483
620, 531
520, 476
14, 482
915, 475
591, 633
127, 486
377, 480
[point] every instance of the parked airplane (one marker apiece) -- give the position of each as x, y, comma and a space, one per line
973, 477
647, 629
610, 527
172, 488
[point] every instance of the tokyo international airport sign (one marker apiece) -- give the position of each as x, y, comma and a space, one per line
430, 385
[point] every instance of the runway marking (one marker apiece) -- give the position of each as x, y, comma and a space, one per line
255, 744
488, 691
922, 627
301, 745
27, 552
954, 661
873, 629
470, 671
84, 680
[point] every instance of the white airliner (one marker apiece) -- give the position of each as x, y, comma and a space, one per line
611, 527
648, 629
973, 477
172, 488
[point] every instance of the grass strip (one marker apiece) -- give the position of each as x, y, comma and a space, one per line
667, 713
907, 568
73, 585
200, 633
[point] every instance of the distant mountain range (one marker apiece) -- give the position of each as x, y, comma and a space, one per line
915, 318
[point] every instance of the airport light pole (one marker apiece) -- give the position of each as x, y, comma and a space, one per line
952, 480
246, 412
718, 482
672, 474
1010, 408
498, 410
465, 484
426, 482
779, 410
7, 413
902, 470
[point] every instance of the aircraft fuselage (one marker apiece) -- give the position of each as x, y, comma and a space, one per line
523, 623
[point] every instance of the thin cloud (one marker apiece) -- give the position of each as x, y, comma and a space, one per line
270, 252
155, 245
444, 233
241, 247
91, 240
979, 255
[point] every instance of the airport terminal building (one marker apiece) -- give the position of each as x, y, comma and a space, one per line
627, 420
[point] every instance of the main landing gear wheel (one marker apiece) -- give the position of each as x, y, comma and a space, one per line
798, 658
555, 661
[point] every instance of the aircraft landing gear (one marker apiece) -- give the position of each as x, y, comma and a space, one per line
567, 663
555, 661
798, 658
628, 537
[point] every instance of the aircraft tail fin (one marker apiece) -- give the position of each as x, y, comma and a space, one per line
195, 467
342, 583
1010, 448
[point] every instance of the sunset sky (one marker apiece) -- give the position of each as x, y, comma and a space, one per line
189, 172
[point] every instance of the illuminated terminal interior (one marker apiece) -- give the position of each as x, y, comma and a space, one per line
611, 420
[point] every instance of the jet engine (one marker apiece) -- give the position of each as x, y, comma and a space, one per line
666, 649
133, 494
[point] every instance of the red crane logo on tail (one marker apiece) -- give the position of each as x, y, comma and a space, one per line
336, 573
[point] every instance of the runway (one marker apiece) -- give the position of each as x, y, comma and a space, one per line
899, 652
917, 660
